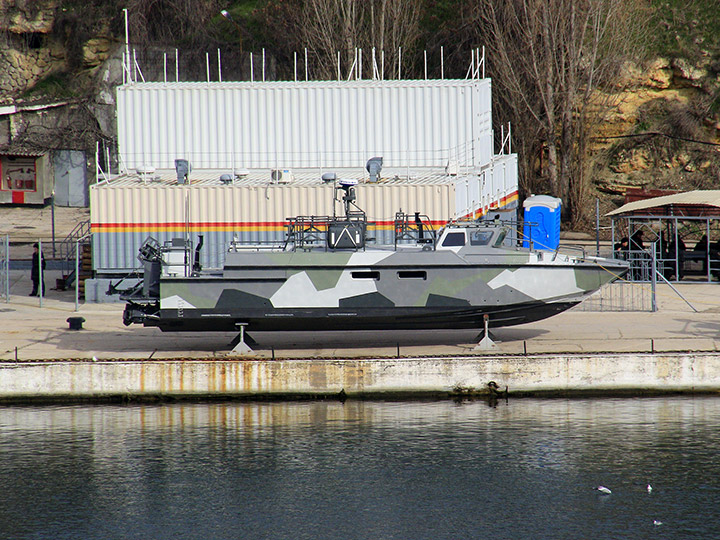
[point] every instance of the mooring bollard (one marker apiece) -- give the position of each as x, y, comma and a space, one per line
75, 323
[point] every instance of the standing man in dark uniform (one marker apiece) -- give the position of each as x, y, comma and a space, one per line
35, 270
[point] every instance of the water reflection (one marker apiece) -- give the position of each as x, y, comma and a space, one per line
522, 469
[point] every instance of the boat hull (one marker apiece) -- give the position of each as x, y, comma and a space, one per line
369, 297
362, 319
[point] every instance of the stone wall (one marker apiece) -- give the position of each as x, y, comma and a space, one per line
30, 50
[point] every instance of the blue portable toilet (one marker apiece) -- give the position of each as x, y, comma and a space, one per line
544, 212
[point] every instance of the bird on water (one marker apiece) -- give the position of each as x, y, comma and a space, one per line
604, 490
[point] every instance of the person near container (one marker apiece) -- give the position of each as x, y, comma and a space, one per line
37, 260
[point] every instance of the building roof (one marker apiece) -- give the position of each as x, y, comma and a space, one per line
300, 176
697, 203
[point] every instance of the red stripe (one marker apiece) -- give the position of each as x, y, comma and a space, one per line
259, 224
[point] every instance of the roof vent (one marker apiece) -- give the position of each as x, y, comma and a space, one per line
145, 172
183, 169
374, 166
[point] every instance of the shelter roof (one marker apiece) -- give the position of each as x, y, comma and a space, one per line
699, 203
19, 150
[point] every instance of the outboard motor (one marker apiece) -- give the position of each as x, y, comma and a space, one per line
151, 256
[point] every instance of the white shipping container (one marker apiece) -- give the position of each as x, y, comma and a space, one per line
305, 124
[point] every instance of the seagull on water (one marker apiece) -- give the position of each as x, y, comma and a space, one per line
604, 490
649, 488
656, 522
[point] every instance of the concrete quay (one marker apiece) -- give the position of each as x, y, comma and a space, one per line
673, 350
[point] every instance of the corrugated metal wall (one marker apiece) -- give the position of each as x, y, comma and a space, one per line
123, 217
305, 124
495, 187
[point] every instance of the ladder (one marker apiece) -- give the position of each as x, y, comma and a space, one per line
79, 238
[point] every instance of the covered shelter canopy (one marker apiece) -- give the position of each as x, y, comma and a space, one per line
682, 234
699, 203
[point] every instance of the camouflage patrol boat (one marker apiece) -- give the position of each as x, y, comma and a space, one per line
328, 276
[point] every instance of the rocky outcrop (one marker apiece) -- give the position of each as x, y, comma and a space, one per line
660, 130
31, 50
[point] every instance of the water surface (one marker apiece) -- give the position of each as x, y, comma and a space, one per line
521, 469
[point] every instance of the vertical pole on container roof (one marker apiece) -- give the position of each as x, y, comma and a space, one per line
127, 48
177, 68
295, 65
338, 66
165, 67
207, 66
483, 62
263, 64
359, 71
306, 65
133, 78
442, 62
382, 65
252, 69
219, 67
399, 63
97, 161
425, 57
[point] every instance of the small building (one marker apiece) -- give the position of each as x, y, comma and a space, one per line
26, 176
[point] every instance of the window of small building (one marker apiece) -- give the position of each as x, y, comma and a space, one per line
18, 174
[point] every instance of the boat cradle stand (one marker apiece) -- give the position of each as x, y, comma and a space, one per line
242, 343
486, 338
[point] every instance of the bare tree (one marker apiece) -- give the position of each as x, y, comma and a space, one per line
552, 60
347, 26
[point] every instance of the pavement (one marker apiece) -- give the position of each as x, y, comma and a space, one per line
31, 331
25, 225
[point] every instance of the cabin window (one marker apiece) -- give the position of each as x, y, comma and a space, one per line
366, 274
500, 238
454, 239
480, 238
412, 274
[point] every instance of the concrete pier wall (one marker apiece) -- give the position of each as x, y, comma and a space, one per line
541, 374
